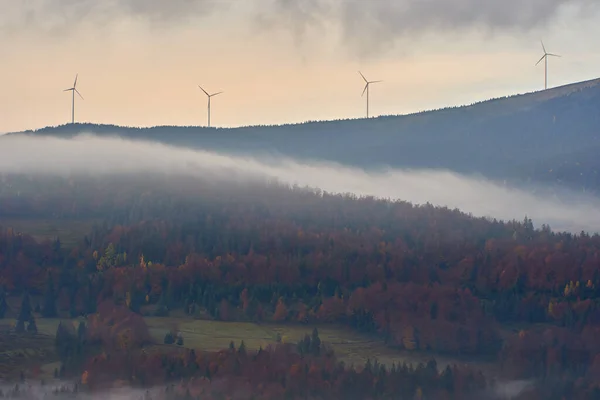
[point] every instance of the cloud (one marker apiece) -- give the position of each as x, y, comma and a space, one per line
359, 20
90, 154
370, 26
60, 16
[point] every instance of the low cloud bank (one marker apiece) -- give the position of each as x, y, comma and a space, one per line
90, 154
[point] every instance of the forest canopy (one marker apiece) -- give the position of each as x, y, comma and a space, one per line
421, 278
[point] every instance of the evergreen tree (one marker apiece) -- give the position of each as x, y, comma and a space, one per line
25, 315
49, 307
161, 307
315, 343
191, 362
73, 309
32, 327
82, 332
242, 349
3, 304
170, 296
169, 339
136, 299
20, 326
90, 299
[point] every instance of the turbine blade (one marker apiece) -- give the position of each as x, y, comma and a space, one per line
375, 81
204, 91
366, 86
77, 91
214, 94
75, 83
541, 59
365, 79
67, 90
553, 55
543, 47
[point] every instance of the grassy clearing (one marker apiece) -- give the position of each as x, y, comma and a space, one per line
211, 335
349, 347
19, 352
48, 326
69, 231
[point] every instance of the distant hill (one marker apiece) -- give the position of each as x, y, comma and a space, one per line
546, 136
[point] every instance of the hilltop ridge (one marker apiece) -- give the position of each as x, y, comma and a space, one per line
550, 136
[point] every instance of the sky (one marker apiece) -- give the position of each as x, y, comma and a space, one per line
279, 61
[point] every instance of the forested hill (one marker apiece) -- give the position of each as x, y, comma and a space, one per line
549, 136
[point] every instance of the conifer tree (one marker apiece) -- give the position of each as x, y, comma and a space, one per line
49, 306
242, 349
82, 332
169, 339
32, 327
161, 307
25, 314
3, 304
315, 343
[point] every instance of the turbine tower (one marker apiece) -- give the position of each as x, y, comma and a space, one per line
74, 90
545, 58
366, 89
209, 97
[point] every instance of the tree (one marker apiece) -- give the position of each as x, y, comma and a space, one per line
169, 339
32, 327
242, 349
161, 307
49, 306
281, 311
315, 343
3, 305
25, 314
82, 332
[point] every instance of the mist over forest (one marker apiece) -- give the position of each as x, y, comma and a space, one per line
97, 156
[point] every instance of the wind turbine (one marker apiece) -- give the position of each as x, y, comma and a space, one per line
367, 84
74, 89
545, 58
209, 97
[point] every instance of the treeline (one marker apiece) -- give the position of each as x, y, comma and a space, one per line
281, 372
422, 277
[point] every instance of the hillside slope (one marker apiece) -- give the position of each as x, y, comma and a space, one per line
539, 136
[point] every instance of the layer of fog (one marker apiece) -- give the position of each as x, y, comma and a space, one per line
66, 390
90, 154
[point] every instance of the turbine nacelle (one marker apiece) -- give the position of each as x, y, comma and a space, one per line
209, 95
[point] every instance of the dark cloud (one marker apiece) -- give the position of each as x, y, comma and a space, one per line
58, 15
366, 23
360, 22
398, 16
